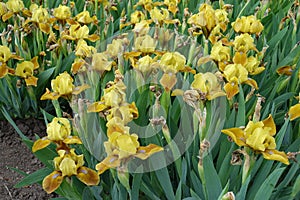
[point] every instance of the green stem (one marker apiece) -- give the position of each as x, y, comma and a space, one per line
192, 51
57, 108
58, 64
203, 181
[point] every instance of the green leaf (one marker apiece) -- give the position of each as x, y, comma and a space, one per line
280, 135
165, 182
145, 189
194, 195
277, 38
225, 153
87, 194
178, 195
35, 177
67, 62
240, 121
213, 183
296, 187
43, 79
136, 184
197, 185
241, 195
291, 58
224, 191
288, 178
266, 189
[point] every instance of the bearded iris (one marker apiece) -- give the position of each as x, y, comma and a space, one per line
26, 70
62, 86
258, 136
59, 132
68, 164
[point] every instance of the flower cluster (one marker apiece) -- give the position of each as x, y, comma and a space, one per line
121, 145
68, 163
163, 49
237, 66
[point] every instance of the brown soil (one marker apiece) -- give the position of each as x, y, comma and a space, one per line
15, 154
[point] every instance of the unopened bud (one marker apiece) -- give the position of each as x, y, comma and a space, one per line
229, 196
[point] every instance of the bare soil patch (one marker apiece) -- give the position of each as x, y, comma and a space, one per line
15, 154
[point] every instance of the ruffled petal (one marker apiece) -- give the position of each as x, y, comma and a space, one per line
111, 161
168, 81
294, 112
96, 107
145, 152
79, 89
231, 89
237, 135
272, 154
269, 122
40, 144
31, 81
50, 95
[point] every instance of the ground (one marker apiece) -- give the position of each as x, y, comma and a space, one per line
15, 154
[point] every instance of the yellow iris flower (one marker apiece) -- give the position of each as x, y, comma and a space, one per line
159, 15
259, 137
13, 7
77, 32
146, 65
3, 9
116, 47
172, 5
85, 18
69, 164
207, 19
252, 65
220, 52
208, 85
5, 56
136, 17
145, 44
59, 132
26, 71
83, 49
113, 96
127, 112
120, 147
244, 43
248, 24
101, 63
172, 62
41, 17
236, 74
62, 12
62, 86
